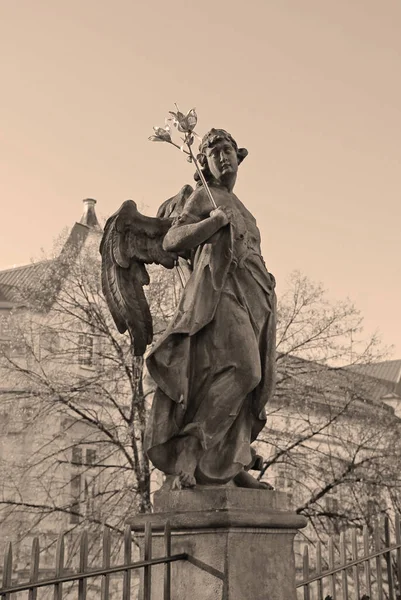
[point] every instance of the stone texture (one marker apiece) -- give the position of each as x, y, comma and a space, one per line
219, 498
239, 543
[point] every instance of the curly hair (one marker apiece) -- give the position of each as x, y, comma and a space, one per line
210, 139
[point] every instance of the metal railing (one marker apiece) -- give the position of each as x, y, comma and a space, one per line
83, 573
365, 568
369, 567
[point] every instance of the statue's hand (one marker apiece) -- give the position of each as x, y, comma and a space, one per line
219, 215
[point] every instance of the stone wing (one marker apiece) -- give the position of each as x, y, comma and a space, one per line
130, 241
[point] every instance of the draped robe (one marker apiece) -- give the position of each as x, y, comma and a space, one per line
214, 367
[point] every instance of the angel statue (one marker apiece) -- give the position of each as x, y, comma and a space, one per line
214, 366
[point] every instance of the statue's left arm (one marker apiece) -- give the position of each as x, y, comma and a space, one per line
196, 224
186, 237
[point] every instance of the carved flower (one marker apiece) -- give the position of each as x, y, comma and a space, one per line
185, 123
162, 134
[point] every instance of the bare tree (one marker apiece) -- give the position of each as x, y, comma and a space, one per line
72, 401
331, 441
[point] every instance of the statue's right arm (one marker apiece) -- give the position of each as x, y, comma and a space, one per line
193, 228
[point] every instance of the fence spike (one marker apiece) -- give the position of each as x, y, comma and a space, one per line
8, 569
355, 573
398, 544
387, 557
127, 561
34, 568
83, 565
167, 566
147, 572
343, 559
379, 572
333, 591
368, 578
105, 589
305, 568
58, 587
319, 583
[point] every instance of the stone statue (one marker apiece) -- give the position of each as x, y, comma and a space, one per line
214, 366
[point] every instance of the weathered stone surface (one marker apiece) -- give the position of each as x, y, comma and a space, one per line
242, 549
207, 507
219, 498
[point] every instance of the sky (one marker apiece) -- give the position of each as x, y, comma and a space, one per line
312, 89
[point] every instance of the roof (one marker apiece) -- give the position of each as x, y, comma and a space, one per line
387, 370
332, 382
14, 280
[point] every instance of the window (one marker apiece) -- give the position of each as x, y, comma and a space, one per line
76, 456
332, 504
371, 489
76, 486
85, 350
5, 333
12, 339
280, 480
82, 485
100, 351
90, 456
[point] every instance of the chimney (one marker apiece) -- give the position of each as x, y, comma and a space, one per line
89, 217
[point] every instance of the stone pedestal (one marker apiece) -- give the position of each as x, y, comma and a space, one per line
239, 542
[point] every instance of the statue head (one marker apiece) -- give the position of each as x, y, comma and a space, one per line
219, 157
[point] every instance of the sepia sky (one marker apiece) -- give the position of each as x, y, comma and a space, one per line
312, 88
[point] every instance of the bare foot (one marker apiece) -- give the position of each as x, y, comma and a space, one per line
183, 480
245, 480
188, 449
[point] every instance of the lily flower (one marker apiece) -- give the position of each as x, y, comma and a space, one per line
184, 123
162, 134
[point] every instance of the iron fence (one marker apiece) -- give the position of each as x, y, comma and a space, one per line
81, 575
369, 566
358, 567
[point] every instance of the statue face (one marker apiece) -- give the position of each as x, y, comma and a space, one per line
222, 160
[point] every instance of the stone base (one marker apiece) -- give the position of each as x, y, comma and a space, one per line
239, 542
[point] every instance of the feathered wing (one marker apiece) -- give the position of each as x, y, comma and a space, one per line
131, 240
174, 206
